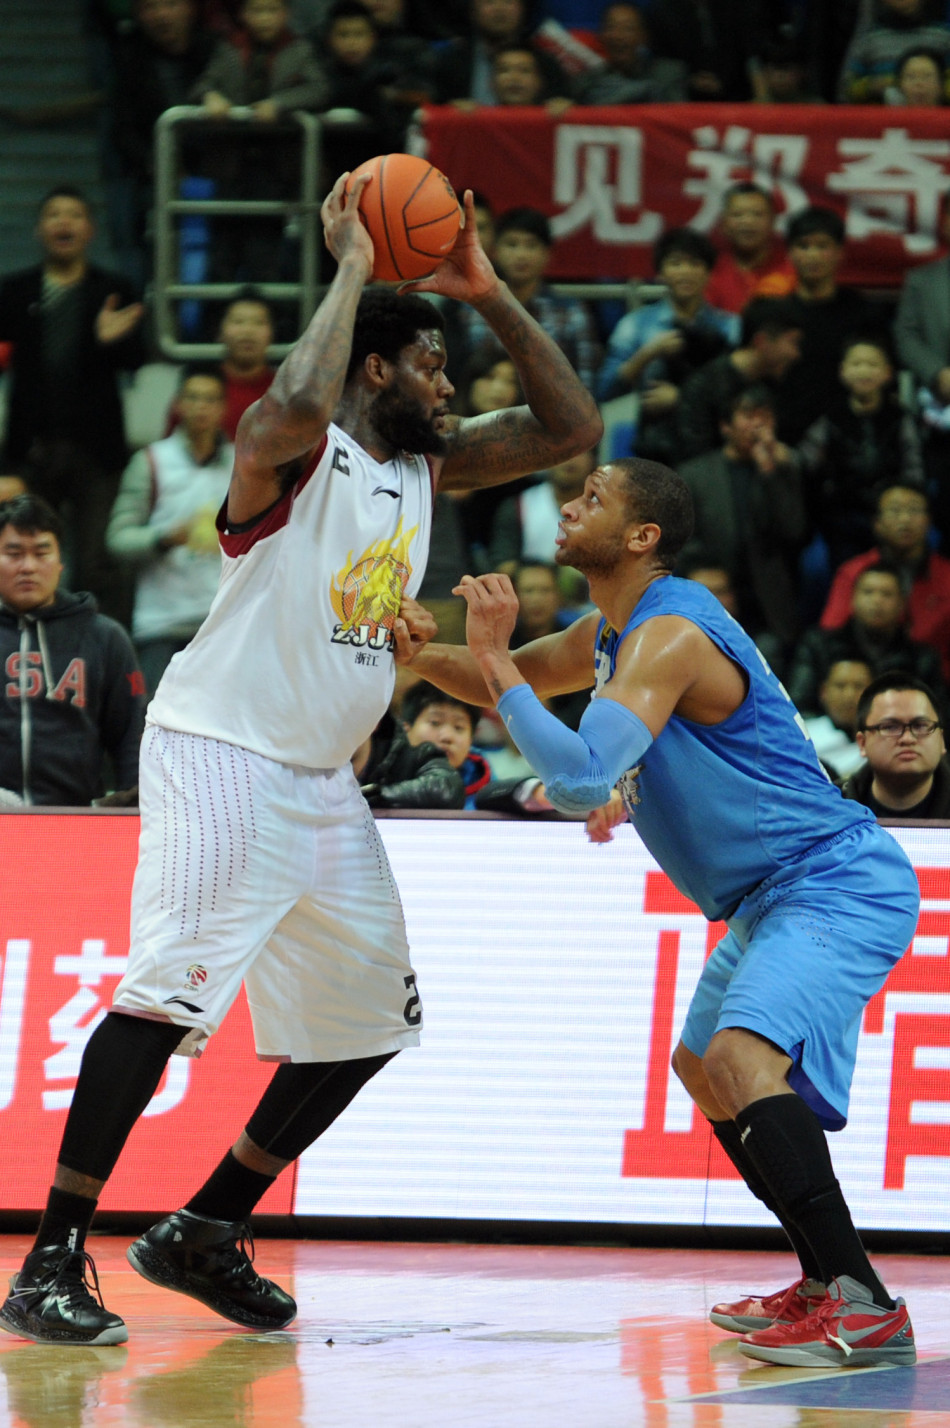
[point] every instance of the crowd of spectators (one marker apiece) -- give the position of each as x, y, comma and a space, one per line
811, 420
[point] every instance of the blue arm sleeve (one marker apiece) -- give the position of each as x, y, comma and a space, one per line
579, 770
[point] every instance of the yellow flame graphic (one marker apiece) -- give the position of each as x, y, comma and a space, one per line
368, 591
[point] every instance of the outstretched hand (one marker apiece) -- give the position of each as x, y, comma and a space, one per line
343, 230
464, 274
114, 322
414, 627
492, 612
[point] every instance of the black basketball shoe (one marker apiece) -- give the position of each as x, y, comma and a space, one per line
207, 1260
52, 1301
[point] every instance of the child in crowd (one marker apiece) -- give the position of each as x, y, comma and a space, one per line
921, 80
864, 442
366, 79
872, 62
393, 773
431, 716
653, 349
783, 74
272, 71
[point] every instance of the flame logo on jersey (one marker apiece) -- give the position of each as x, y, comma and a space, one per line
366, 593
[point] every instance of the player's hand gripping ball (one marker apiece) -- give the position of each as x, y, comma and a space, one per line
411, 213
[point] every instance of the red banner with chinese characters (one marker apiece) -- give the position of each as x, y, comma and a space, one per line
612, 179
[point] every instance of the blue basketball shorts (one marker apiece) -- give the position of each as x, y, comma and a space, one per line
804, 954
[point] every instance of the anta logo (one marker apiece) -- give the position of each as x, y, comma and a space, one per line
27, 679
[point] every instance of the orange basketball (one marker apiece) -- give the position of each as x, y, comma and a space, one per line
411, 213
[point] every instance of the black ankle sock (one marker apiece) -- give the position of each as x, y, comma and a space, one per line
784, 1139
66, 1220
230, 1192
727, 1134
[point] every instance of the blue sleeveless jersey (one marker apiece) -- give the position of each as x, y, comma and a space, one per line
722, 807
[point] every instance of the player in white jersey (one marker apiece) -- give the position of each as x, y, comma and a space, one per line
259, 860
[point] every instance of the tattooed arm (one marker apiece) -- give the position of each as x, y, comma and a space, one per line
293, 415
561, 417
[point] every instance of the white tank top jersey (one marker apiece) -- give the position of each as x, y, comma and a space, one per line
295, 659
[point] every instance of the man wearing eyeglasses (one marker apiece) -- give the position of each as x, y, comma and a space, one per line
899, 732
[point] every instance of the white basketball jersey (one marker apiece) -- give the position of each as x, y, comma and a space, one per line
295, 658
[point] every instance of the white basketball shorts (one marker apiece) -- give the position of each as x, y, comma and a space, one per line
274, 875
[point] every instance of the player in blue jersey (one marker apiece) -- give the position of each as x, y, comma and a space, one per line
714, 767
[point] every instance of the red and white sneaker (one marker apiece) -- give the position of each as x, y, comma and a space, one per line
787, 1307
847, 1328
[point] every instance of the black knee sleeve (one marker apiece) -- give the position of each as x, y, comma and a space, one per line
121, 1067
304, 1098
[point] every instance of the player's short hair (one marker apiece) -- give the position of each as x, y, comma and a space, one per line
524, 220
420, 697
546, 565
29, 514
685, 241
659, 494
896, 679
921, 52
815, 220
898, 485
348, 10
741, 190
66, 190
249, 293
782, 53
387, 322
773, 316
202, 369
754, 398
868, 339
518, 47
880, 567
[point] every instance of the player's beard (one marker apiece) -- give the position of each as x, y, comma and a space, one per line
402, 423
602, 561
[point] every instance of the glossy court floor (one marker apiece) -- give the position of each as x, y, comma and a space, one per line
393, 1335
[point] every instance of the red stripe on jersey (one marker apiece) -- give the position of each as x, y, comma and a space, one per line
269, 521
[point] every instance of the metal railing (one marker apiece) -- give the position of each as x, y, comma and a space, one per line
303, 210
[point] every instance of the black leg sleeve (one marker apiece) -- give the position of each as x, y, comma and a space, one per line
121, 1067
304, 1098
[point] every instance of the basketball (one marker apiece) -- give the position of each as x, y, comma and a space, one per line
411, 213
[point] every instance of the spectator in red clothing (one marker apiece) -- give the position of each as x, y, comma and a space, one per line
247, 331
753, 263
902, 529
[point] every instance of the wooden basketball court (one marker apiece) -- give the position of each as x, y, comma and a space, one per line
447, 1336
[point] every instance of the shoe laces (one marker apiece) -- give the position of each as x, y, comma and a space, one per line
239, 1255
76, 1277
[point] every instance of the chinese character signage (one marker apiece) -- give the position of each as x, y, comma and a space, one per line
612, 179
555, 976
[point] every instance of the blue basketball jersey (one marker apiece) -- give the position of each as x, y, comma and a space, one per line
722, 807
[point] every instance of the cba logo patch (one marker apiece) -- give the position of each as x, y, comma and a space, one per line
196, 976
